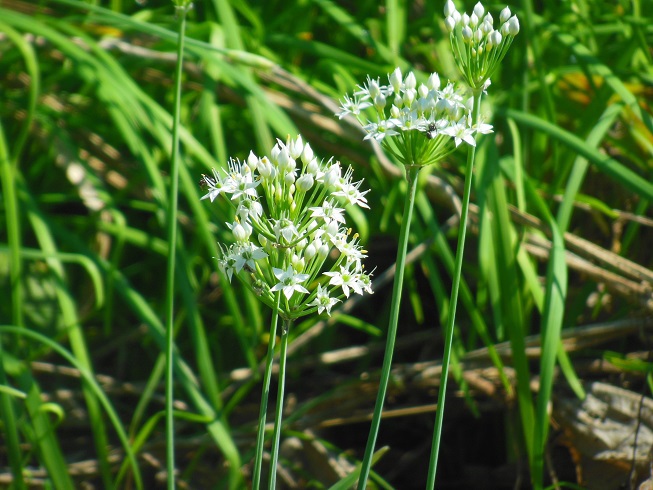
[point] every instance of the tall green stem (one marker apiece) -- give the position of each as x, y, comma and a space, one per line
172, 248
411, 177
446, 358
7, 412
279, 411
265, 395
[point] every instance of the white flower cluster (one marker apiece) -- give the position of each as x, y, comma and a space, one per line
425, 118
479, 48
287, 224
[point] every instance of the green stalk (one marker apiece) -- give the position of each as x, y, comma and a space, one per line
279, 410
172, 241
439, 414
265, 395
7, 411
411, 177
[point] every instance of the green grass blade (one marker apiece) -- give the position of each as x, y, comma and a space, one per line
612, 168
580, 165
91, 383
553, 314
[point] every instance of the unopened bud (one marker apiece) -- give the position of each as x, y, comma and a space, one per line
296, 147
449, 8
479, 10
449, 24
504, 15
307, 154
410, 81
305, 182
395, 80
434, 81
310, 251
513, 25
252, 161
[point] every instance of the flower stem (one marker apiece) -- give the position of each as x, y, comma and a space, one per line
265, 395
411, 177
439, 415
172, 242
279, 410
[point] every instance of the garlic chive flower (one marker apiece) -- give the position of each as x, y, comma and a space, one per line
418, 123
478, 48
289, 229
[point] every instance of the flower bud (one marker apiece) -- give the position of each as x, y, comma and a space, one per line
296, 147
265, 168
395, 80
310, 251
410, 81
252, 161
467, 33
489, 19
305, 182
513, 25
307, 154
297, 263
274, 153
332, 175
301, 245
423, 90
282, 159
379, 101
449, 8
479, 10
504, 15
240, 233
373, 88
495, 38
399, 102
395, 112
332, 228
313, 167
449, 24
472, 20
289, 178
409, 96
433, 82
262, 240
323, 251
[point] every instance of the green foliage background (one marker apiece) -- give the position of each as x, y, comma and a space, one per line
85, 134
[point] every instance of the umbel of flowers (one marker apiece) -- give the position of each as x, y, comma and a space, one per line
288, 220
419, 124
477, 47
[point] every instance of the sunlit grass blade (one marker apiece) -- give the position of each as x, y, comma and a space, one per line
509, 301
611, 167
579, 169
552, 318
